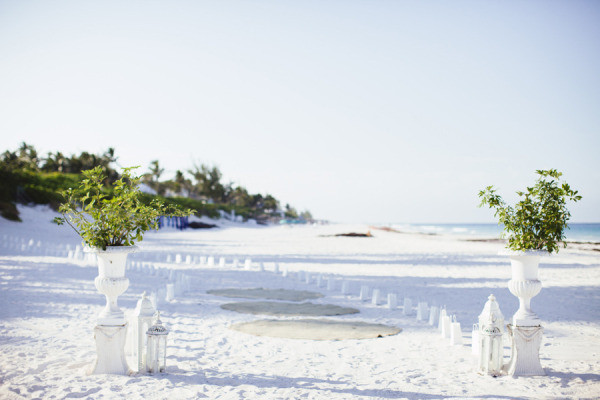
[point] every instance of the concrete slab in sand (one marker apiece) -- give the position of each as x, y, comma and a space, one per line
269, 294
288, 309
316, 329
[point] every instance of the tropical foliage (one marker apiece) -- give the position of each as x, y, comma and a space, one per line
26, 177
539, 220
117, 218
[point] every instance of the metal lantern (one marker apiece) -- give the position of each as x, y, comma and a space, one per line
143, 317
491, 350
156, 347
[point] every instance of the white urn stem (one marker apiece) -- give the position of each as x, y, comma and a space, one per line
525, 291
525, 285
111, 288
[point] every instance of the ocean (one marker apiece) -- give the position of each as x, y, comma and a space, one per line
578, 232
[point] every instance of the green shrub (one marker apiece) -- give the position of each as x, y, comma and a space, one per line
9, 211
539, 220
117, 218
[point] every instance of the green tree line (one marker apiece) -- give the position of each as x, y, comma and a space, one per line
26, 177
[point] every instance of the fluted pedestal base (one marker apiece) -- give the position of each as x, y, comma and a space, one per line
110, 350
525, 357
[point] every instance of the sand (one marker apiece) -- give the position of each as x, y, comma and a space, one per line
48, 307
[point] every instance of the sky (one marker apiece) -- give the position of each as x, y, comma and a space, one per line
359, 111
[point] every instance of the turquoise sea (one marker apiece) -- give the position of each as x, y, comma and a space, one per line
578, 232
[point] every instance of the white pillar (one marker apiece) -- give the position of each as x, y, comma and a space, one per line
525, 355
110, 342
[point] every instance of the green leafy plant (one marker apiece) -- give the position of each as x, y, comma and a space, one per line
111, 218
539, 220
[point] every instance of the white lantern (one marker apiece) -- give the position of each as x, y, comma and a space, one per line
491, 351
156, 348
143, 316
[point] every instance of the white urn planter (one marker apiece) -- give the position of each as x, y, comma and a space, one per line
525, 284
110, 332
111, 281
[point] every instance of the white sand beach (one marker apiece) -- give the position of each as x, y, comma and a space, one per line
49, 305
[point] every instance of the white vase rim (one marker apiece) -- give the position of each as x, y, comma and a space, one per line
508, 252
112, 249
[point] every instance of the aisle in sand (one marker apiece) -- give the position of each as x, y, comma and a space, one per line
316, 329
288, 309
268, 294
311, 329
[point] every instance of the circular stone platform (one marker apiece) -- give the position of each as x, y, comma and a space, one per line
288, 309
316, 329
269, 294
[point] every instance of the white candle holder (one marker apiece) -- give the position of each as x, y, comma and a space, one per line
330, 283
377, 297
345, 288
422, 311
455, 332
392, 303
446, 326
364, 293
434, 314
407, 306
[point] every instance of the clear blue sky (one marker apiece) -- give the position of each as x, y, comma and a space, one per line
365, 111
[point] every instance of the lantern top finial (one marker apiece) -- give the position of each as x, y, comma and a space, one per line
158, 328
491, 314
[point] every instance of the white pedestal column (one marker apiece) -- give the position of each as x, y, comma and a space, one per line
110, 357
525, 356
